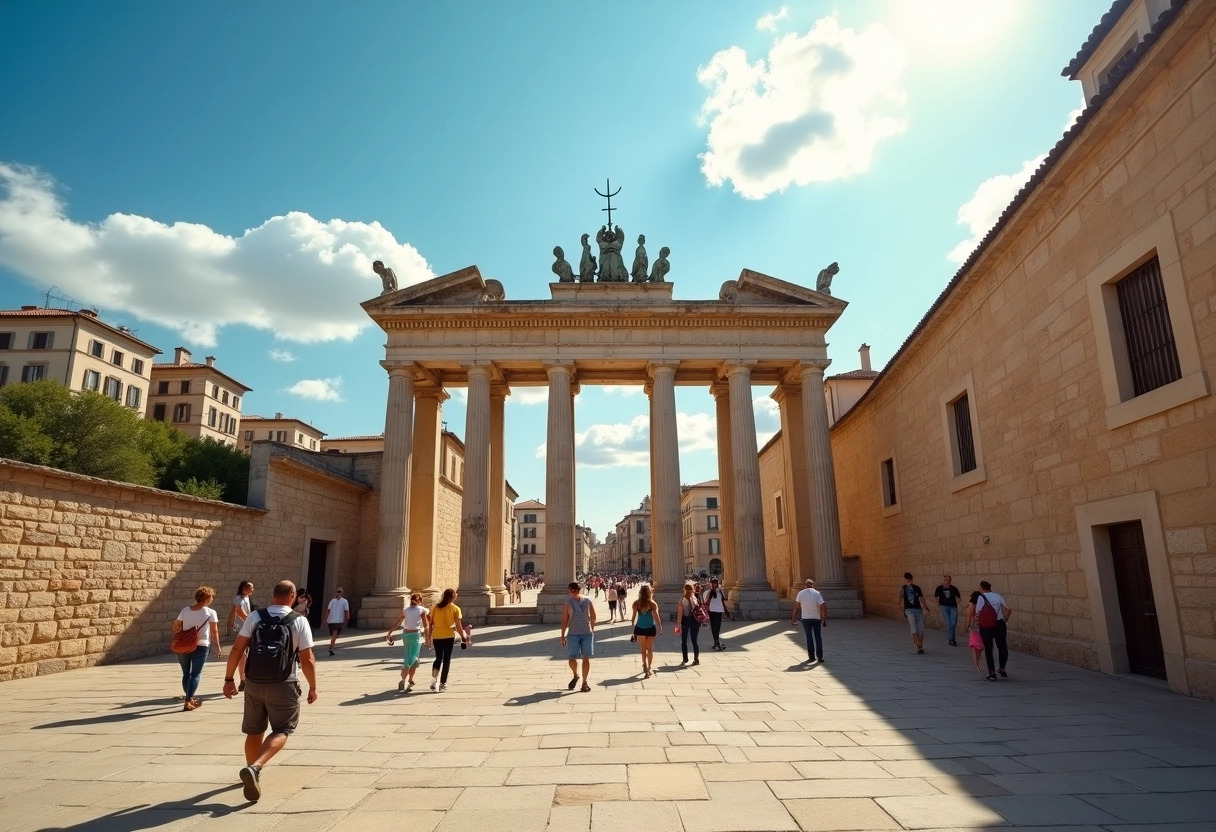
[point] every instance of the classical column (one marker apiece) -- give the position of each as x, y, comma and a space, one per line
498, 537
825, 515
559, 493
726, 488
796, 501
385, 602
754, 594
666, 531
424, 491
475, 507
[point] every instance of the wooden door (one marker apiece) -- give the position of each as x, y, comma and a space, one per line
1136, 605
318, 555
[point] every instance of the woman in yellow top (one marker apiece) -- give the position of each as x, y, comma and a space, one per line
445, 627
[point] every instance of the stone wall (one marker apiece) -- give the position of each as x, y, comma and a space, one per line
1023, 337
776, 543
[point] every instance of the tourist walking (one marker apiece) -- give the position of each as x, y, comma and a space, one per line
280, 647
910, 599
947, 595
689, 626
445, 626
715, 602
337, 617
647, 623
201, 618
990, 613
303, 605
622, 594
975, 642
610, 592
414, 622
813, 610
237, 614
578, 622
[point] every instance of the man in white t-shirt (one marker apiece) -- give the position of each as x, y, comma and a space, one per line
337, 617
989, 611
814, 612
276, 704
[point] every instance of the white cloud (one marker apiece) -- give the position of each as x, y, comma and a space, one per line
622, 389
812, 110
981, 212
320, 389
458, 394
294, 275
768, 418
769, 21
282, 356
529, 395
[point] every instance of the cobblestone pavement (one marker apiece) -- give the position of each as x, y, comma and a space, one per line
751, 739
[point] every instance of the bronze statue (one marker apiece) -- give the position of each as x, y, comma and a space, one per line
388, 278
661, 267
823, 283
640, 261
612, 266
587, 266
561, 268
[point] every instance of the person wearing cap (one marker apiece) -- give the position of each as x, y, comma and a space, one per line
338, 617
715, 602
814, 610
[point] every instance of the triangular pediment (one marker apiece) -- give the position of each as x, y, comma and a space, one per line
458, 288
757, 287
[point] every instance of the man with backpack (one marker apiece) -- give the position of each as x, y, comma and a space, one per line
989, 611
277, 638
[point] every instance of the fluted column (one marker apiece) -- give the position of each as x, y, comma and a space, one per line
796, 502
424, 491
498, 537
665, 528
726, 488
386, 599
474, 508
825, 514
559, 493
756, 596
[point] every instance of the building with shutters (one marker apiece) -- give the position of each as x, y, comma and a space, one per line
197, 399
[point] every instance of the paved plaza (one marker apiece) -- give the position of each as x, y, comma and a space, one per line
752, 739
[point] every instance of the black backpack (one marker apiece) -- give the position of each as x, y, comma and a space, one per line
272, 653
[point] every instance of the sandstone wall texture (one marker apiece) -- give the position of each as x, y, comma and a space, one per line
1022, 328
776, 542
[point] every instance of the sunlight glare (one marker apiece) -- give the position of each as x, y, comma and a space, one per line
950, 26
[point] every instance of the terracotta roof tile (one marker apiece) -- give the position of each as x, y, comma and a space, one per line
40, 312
530, 504
855, 374
706, 484
1100, 31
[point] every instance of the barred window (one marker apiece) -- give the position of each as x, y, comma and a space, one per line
1151, 354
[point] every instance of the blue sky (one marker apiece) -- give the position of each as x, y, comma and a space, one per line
220, 175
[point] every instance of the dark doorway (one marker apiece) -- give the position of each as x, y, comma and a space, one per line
318, 554
1136, 605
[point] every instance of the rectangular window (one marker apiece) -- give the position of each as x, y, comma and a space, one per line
41, 340
889, 497
92, 380
158, 412
215, 391
185, 388
529, 518
641, 544
6, 340
280, 436
641, 526
97, 349
312, 444
137, 366
964, 442
224, 397
134, 396
162, 388
711, 502
212, 416
248, 436
181, 412
236, 403
117, 357
715, 546
33, 372
113, 389
779, 511
3, 374
1151, 354
712, 522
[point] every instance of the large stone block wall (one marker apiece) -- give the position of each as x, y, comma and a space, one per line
1025, 332
776, 543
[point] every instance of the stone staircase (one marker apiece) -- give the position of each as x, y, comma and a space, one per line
512, 615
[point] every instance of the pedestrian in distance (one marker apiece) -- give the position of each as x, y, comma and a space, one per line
813, 611
415, 623
445, 626
578, 622
647, 623
242, 605
911, 601
280, 648
990, 613
947, 595
337, 616
610, 592
206, 623
688, 625
715, 602
303, 605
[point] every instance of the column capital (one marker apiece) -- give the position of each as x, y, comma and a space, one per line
555, 367
499, 390
654, 368
398, 368
785, 390
719, 389
813, 366
734, 368
431, 392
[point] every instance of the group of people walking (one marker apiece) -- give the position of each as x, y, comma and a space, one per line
985, 620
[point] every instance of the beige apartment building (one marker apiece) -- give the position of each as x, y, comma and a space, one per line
844, 390
280, 428
77, 349
197, 399
631, 546
702, 525
1049, 424
530, 536
353, 444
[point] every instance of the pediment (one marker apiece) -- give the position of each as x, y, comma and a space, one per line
757, 287
459, 288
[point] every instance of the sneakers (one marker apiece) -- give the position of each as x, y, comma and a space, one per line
410, 686
696, 661
991, 677
920, 650
331, 652
401, 686
434, 684
954, 644
249, 777
1002, 673
573, 682
443, 688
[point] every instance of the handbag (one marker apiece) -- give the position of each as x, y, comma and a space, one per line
185, 641
700, 614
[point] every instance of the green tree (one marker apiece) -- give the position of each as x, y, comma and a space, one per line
208, 489
209, 459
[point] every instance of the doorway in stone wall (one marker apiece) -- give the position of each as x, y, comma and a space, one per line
1137, 607
318, 560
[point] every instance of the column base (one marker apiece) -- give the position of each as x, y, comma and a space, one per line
842, 599
475, 605
549, 605
378, 612
666, 599
499, 593
755, 603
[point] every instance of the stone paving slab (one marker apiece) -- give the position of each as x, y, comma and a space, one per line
878, 738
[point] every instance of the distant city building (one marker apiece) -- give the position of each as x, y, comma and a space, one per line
354, 444
530, 528
701, 517
198, 399
630, 545
844, 390
77, 349
280, 428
